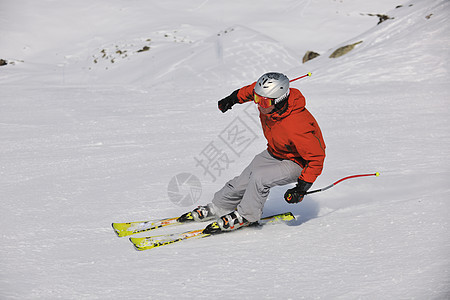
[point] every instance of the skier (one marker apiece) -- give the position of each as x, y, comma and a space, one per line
295, 153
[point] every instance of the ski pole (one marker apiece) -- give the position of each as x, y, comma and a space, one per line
309, 74
340, 180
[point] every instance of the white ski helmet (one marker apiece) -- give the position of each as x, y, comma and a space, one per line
273, 85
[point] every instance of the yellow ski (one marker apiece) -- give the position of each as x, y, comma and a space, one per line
150, 242
129, 228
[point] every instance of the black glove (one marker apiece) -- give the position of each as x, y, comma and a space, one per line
296, 194
227, 102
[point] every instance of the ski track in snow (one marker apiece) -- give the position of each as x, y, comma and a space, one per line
88, 143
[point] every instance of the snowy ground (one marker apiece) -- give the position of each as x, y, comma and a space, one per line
93, 130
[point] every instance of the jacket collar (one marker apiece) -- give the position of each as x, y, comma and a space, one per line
295, 103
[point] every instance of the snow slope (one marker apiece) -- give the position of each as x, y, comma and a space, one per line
94, 128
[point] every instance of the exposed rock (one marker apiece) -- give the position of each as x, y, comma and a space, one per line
381, 18
145, 48
3, 62
344, 50
309, 55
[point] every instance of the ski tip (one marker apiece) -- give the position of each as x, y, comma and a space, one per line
137, 248
135, 243
115, 230
118, 232
377, 174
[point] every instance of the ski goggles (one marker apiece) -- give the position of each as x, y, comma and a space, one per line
264, 102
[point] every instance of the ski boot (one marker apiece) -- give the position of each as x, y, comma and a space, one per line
228, 222
200, 214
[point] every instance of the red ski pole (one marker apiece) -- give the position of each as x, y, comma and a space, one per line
340, 180
303, 76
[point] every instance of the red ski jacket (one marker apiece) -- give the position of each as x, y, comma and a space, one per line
292, 133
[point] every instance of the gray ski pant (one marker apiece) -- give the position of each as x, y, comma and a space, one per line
248, 192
